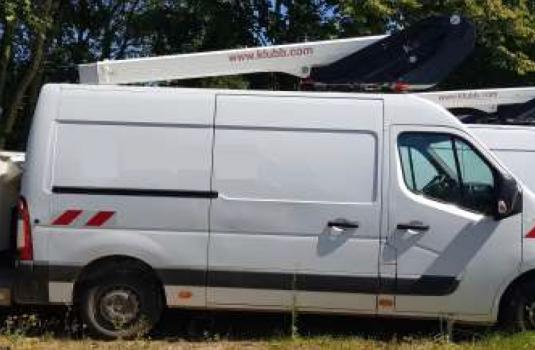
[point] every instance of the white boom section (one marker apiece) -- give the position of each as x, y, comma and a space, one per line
486, 100
294, 59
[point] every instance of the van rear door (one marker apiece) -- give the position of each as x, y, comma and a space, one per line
296, 222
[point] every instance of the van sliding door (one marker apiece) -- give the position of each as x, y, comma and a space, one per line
296, 222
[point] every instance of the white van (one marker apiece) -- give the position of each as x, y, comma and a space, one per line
135, 199
514, 145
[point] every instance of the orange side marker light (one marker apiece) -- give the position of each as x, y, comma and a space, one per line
185, 294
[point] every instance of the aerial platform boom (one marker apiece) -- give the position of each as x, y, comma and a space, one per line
294, 59
485, 100
418, 57
514, 106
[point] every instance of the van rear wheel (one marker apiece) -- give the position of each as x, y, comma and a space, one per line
518, 310
121, 305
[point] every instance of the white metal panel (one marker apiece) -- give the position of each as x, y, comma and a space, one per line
237, 298
521, 163
295, 252
284, 167
75, 246
333, 302
506, 138
60, 292
411, 109
134, 138
37, 166
514, 147
161, 249
135, 212
288, 301
126, 156
259, 164
300, 112
136, 105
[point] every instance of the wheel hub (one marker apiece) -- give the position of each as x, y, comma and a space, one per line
119, 306
530, 314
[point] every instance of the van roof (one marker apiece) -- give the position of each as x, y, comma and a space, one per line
159, 89
113, 103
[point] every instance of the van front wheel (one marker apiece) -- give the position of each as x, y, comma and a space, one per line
518, 310
122, 305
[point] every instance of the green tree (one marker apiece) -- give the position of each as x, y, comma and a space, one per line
289, 21
25, 27
505, 50
43, 41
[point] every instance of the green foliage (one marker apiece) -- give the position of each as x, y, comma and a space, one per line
83, 31
492, 342
505, 51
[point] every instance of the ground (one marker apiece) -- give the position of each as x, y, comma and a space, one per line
58, 329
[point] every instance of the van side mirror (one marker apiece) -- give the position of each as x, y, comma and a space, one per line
508, 198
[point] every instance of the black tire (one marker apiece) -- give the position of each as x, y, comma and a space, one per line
518, 308
121, 305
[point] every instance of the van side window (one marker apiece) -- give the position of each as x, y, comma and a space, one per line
478, 179
448, 169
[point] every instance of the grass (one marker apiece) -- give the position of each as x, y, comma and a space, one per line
54, 330
494, 342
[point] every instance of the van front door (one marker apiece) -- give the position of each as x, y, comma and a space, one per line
449, 251
296, 221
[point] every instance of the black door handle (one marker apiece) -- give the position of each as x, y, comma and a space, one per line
343, 224
415, 227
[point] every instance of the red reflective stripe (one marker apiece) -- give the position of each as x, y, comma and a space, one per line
100, 218
531, 234
67, 217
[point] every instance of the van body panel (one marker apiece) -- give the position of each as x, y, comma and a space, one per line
298, 112
121, 179
281, 180
151, 247
261, 200
460, 243
125, 156
513, 145
131, 105
37, 166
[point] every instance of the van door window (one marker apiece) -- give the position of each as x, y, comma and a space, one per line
446, 168
477, 177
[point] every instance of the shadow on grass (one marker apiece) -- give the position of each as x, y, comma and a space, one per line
61, 322
258, 326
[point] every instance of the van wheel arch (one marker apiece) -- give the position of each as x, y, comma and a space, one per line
524, 280
107, 264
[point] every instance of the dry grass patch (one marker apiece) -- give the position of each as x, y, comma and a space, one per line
493, 342
59, 330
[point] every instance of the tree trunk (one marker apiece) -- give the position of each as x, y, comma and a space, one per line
38, 52
5, 54
18, 141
